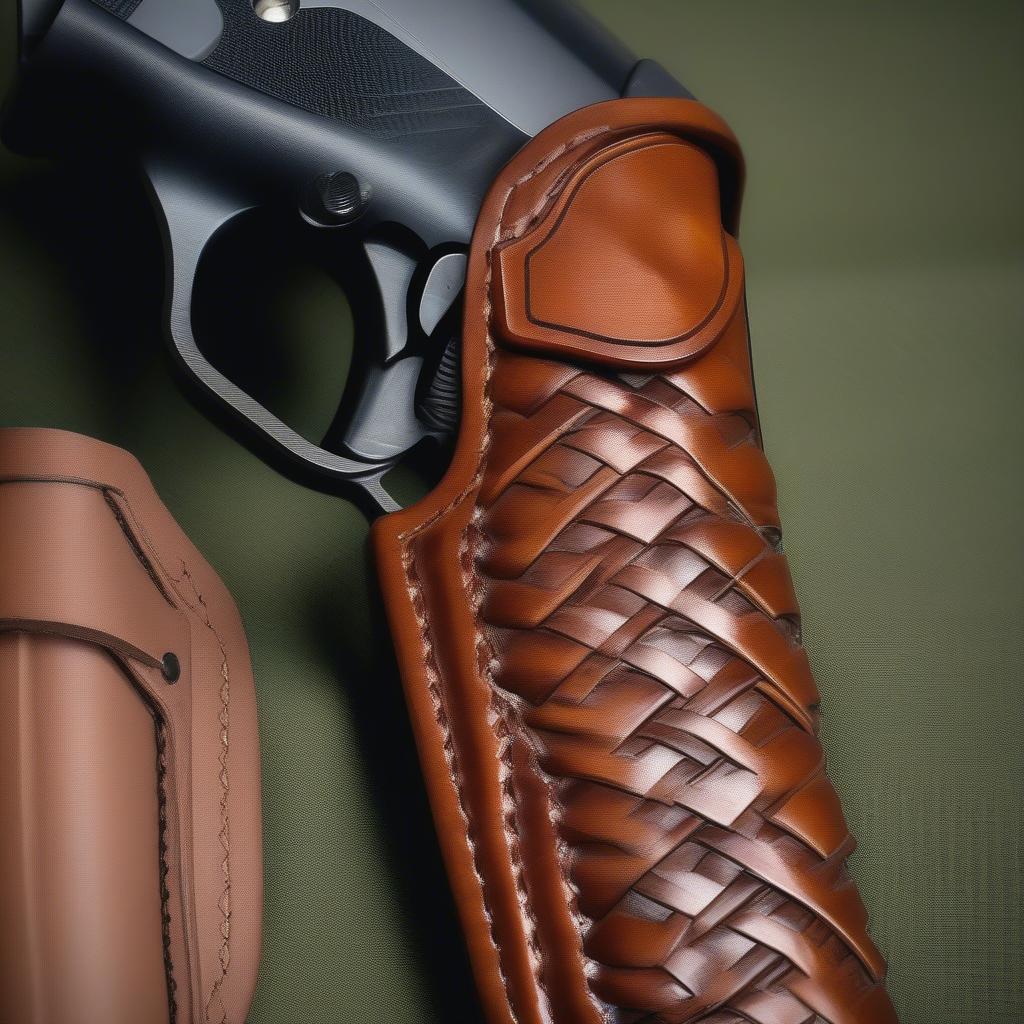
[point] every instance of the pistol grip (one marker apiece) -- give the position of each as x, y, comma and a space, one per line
596, 626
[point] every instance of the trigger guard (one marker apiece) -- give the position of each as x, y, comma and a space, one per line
191, 219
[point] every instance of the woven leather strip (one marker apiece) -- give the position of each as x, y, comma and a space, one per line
596, 626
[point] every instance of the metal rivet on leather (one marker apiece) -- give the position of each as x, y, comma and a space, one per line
171, 667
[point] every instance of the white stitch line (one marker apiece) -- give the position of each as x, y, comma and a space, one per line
448, 746
224, 718
485, 656
571, 892
414, 590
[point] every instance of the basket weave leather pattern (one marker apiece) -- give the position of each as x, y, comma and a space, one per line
641, 616
596, 626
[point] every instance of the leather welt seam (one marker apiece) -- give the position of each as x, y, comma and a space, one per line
163, 829
415, 591
133, 543
90, 636
499, 703
224, 720
527, 222
165, 894
448, 744
523, 896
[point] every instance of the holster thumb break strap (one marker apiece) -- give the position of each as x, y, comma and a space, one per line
130, 860
596, 626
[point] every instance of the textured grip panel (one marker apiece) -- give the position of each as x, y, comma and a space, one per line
338, 65
601, 648
122, 9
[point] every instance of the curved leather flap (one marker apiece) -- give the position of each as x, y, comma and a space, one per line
630, 264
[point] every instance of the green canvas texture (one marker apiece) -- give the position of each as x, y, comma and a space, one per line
884, 242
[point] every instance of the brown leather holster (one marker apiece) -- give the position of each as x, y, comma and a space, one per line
595, 622
130, 860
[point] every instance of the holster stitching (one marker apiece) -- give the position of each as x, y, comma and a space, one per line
224, 718
481, 643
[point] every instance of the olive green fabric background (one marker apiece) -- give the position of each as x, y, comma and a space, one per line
884, 243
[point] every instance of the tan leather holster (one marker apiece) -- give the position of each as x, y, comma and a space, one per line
596, 626
130, 860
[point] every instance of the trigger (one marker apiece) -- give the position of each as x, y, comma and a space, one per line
442, 287
404, 392
439, 401
393, 271
383, 423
